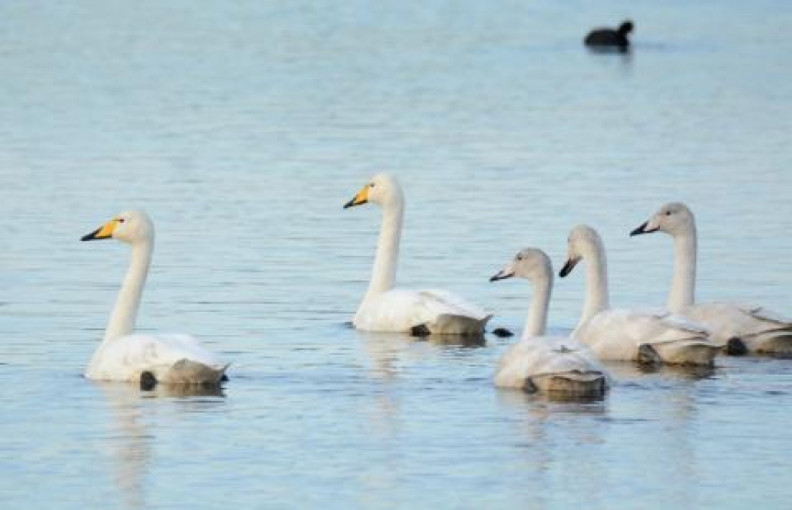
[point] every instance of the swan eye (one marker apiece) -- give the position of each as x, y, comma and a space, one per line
371, 185
668, 213
121, 220
519, 257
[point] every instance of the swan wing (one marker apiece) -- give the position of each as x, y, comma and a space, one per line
396, 310
538, 356
729, 320
399, 310
125, 358
763, 314
442, 302
618, 334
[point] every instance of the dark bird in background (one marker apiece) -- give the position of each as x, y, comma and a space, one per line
606, 38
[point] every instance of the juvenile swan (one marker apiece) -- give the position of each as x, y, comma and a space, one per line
629, 335
147, 359
395, 310
758, 330
543, 363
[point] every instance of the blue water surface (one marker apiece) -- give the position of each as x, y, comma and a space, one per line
242, 127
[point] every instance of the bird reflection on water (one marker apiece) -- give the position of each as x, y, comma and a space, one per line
131, 442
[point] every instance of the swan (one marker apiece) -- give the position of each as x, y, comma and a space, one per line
143, 358
386, 309
543, 363
629, 335
738, 326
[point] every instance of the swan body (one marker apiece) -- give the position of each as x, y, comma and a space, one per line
402, 310
124, 356
760, 330
546, 364
630, 335
170, 358
387, 309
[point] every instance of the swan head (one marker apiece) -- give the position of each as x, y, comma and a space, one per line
129, 227
672, 218
382, 189
529, 263
582, 241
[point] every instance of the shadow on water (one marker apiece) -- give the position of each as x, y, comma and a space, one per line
389, 351
184, 390
625, 371
450, 340
131, 442
563, 401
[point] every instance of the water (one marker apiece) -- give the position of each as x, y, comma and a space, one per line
242, 128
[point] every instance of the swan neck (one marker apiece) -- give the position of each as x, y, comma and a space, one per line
536, 324
683, 284
597, 298
122, 320
383, 276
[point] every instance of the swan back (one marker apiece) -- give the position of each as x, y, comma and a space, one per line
758, 328
170, 358
401, 310
536, 357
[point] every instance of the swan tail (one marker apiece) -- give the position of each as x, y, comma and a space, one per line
449, 324
687, 352
187, 371
569, 385
777, 343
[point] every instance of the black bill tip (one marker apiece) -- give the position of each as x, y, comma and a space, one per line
91, 236
642, 230
500, 276
568, 267
352, 203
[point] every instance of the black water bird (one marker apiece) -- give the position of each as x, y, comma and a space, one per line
608, 38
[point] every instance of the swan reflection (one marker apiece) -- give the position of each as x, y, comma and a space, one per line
131, 442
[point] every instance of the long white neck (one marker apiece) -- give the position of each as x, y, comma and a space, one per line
683, 284
536, 324
122, 320
597, 298
383, 276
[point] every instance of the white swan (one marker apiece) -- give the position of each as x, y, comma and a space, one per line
543, 363
147, 359
629, 335
740, 327
395, 310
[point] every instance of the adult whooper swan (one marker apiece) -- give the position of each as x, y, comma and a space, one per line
144, 358
546, 364
738, 326
387, 309
629, 335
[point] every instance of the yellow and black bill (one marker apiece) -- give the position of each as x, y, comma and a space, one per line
103, 232
359, 199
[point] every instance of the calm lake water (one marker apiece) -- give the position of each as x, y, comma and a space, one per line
242, 128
